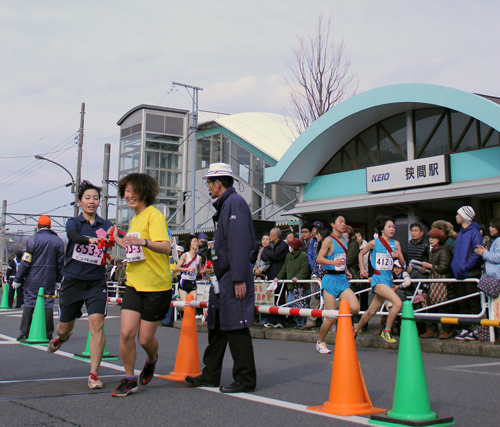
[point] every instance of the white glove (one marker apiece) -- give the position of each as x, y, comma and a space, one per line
15, 285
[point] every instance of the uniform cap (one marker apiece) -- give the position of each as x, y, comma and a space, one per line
44, 220
219, 169
317, 224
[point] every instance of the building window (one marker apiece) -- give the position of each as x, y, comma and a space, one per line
240, 161
437, 131
203, 153
130, 143
130, 161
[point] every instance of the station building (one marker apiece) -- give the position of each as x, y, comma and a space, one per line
415, 151
157, 141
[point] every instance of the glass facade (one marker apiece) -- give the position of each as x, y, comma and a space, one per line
162, 159
436, 131
247, 166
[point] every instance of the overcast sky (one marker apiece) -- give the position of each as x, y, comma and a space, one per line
114, 55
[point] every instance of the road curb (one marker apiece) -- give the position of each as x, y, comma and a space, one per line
370, 340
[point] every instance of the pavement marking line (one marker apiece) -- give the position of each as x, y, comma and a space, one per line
70, 355
471, 371
8, 342
288, 405
474, 365
460, 368
54, 379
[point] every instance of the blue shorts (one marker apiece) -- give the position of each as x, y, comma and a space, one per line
382, 280
334, 284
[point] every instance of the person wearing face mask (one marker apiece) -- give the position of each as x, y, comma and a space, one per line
440, 267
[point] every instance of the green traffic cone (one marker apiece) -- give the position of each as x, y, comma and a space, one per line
5, 296
38, 331
86, 354
411, 404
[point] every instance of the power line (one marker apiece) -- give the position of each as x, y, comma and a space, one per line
50, 133
36, 195
20, 171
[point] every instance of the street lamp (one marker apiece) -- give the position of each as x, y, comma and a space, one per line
73, 185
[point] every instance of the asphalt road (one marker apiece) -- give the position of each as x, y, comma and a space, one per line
41, 389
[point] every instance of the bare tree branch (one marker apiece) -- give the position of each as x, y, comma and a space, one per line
320, 77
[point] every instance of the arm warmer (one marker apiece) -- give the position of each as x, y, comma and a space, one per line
77, 237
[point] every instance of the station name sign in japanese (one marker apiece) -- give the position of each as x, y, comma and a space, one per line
413, 173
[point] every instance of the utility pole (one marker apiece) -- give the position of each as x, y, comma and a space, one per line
2, 237
194, 128
105, 178
79, 164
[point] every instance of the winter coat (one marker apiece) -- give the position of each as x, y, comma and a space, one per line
312, 254
352, 260
234, 241
440, 258
276, 255
465, 262
296, 265
492, 258
41, 265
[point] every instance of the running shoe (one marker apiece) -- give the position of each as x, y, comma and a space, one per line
386, 335
322, 348
278, 326
94, 381
268, 325
56, 343
471, 336
147, 372
125, 388
462, 335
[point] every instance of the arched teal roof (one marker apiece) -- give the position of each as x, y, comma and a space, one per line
320, 141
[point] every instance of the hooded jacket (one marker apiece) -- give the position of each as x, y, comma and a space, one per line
465, 262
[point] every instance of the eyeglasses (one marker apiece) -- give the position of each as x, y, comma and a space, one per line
207, 183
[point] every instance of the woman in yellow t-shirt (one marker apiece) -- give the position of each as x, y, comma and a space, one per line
149, 283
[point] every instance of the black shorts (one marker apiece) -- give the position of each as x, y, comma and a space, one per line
75, 292
187, 285
153, 306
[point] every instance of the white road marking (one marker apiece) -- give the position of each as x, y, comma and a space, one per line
246, 396
289, 405
463, 368
53, 379
8, 342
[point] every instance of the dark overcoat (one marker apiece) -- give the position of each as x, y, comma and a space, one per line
234, 241
41, 265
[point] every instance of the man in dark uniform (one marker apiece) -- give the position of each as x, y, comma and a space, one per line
41, 266
232, 296
9, 276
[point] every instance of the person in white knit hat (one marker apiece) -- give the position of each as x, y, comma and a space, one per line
466, 264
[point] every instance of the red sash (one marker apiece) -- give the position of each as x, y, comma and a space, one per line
389, 249
341, 244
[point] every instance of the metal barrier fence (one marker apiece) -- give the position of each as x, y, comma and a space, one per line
115, 291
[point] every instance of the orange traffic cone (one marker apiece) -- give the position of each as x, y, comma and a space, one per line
187, 362
348, 394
